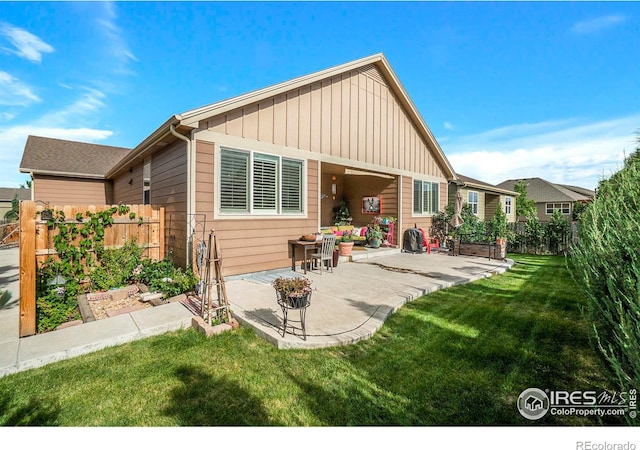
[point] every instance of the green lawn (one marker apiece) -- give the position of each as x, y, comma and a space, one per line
460, 356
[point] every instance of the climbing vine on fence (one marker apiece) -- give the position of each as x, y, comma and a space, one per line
79, 245
75, 255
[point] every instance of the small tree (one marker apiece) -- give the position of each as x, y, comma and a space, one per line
441, 224
14, 212
556, 231
499, 226
525, 207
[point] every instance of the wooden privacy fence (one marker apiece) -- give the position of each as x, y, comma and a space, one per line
144, 223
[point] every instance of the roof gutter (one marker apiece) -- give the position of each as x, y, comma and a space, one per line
486, 188
53, 173
141, 148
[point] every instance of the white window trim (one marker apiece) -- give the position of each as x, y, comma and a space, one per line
477, 202
413, 194
561, 208
251, 214
146, 179
508, 204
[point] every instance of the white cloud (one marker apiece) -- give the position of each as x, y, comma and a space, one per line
568, 151
597, 24
448, 126
72, 122
83, 109
27, 45
118, 47
13, 92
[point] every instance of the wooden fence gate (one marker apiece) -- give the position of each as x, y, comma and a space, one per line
145, 225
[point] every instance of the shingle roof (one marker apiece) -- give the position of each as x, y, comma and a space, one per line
56, 156
463, 179
542, 191
7, 194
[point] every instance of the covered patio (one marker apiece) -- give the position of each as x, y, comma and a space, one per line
353, 302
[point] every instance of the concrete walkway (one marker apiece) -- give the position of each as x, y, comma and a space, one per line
347, 306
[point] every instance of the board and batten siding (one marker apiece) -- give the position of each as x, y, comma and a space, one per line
67, 190
253, 243
354, 116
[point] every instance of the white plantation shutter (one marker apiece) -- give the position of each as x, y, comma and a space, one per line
258, 183
291, 186
426, 201
265, 183
426, 197
435, 197
417, 196
234, 181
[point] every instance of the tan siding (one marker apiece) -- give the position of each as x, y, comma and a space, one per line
354, 116
251, 244
127, 187
292, 119
169, 189
280, 128
72, 191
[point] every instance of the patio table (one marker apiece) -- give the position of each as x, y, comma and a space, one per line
305, 246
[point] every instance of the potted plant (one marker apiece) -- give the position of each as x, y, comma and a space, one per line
375, 236
346, 244
294, 292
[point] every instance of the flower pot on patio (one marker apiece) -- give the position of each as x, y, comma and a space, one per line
336, 258
375, 243
344, 248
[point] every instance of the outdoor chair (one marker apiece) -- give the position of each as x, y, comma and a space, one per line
326, 251
433, 244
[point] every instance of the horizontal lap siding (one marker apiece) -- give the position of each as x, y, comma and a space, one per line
62, 190
169, 189
127, 187
251, 244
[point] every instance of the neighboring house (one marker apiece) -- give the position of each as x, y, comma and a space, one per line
68, 172
550, 196
270, 165
484, 198
7, 195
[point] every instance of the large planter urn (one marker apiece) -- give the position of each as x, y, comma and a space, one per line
375, 242
344, 248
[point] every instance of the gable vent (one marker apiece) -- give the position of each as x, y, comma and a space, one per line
372, 72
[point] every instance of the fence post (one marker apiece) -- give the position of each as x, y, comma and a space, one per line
27, 268
161, 234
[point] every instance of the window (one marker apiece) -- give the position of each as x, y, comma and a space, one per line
146, 182
564, 208
507, 205
472, 200
426, 197
258, 183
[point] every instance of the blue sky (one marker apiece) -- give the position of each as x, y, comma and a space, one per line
509, 89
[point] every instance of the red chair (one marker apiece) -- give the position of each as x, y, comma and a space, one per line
433, 244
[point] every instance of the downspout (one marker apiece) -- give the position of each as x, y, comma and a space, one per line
190, 179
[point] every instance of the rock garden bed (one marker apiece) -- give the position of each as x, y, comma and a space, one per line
102, 305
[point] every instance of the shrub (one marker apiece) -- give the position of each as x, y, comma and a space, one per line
116, 266
556, 231
606, 263
164, 276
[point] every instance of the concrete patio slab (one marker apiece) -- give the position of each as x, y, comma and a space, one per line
347, 306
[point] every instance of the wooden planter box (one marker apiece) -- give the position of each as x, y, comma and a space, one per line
485, 250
